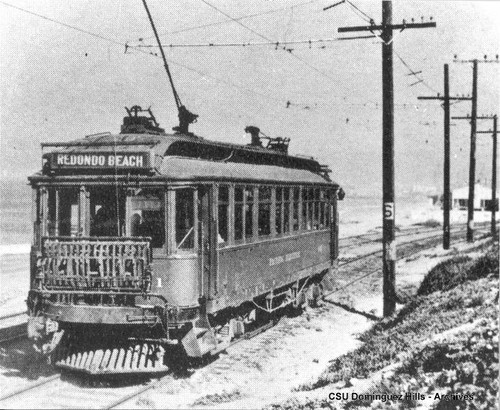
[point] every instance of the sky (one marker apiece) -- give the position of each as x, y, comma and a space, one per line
59, 83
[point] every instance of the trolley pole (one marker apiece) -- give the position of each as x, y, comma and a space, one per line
388, 208
493, 173
446, 172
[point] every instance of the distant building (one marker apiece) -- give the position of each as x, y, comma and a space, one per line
482, 198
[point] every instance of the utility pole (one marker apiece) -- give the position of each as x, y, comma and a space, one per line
493, 173
472, 162
446, 173
388, 209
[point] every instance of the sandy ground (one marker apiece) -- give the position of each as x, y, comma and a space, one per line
270, 367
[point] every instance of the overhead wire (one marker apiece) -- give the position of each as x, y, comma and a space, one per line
255, 43
370, 20
122, 44
246, 17
284, 102
268, 39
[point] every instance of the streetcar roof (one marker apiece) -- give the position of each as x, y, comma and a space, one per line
180, 157
180, 168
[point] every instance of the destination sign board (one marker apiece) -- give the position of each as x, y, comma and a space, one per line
90, 160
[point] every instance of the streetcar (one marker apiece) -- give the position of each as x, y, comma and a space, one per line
147, 244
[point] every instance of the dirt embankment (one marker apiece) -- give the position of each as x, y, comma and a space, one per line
440, 351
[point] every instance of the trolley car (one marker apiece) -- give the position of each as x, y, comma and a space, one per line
147, 243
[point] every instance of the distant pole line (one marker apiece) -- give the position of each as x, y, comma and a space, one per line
252, 44
473, 125
388, 201
446, 172
494, 133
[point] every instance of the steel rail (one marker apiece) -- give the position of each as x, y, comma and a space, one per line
380, 251
30, 387
11, 315
246, 336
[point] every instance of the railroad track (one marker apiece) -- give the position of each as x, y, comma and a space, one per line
60, 389
57, 390
357, 268
12, 327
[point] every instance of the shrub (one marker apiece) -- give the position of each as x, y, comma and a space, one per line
453, 272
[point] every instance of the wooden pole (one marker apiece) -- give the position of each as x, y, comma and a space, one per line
389, 244
446, 174
472, 164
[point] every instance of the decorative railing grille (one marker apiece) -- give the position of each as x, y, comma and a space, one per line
95, 263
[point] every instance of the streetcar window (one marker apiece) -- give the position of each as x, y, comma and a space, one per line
305, 205
249, 204
316, 209
296, 199
310, 208
63, 221
279, 210
322, 207
146, 217
107, 211
238, 213
223, 213
328, 209
286, 210
184, 218
264, 211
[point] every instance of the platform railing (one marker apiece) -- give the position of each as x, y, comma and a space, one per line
88, 263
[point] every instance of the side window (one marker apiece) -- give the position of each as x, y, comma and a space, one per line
316, 205
239, 222
264, 211
305, 208
286, 210
249, 205
279, 210
310, 209
296, 200
328, 208
147, 216
223, 213
184, 218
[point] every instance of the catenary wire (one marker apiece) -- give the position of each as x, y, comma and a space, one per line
217, 23
268, 39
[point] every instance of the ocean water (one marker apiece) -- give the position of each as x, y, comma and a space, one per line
15, 213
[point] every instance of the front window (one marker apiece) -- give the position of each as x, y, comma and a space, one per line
146, 218
184, 218
107, 211
63, 212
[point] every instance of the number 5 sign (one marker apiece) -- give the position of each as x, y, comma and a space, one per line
389, 210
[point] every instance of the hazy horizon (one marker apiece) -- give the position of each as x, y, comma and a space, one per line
59, 84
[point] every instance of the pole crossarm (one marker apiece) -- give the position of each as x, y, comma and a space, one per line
468, 117
382, 27
476, 60
442, 98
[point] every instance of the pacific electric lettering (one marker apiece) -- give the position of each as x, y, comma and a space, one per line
93, 160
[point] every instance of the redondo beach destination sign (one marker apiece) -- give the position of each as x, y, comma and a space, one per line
101, 160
